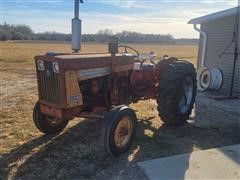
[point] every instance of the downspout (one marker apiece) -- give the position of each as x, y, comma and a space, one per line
205, 37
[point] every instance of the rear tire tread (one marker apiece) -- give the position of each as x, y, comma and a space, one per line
169, 90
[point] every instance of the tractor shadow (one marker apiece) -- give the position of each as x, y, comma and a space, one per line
78, 153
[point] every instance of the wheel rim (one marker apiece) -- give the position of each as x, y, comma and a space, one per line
53, 121
123, 132
186, 95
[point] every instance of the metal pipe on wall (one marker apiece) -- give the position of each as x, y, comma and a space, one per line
205, 37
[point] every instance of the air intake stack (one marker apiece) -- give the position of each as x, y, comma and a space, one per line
76, 28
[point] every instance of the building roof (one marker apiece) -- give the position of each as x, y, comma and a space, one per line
213, 16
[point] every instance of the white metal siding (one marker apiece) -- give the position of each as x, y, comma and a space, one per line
220, 34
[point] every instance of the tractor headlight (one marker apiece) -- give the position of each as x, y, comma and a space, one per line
40, 65
55, 67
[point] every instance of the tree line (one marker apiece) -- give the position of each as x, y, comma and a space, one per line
24, 32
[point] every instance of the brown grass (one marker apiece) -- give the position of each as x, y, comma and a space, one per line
77, 152
15, 52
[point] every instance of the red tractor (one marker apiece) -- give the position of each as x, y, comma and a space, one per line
93, 85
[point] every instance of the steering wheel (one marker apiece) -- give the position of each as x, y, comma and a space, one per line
126, 49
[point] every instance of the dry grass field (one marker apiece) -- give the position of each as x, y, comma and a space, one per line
25, 153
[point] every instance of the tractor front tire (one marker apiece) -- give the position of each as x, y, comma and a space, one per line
47, 124
177, 91
119, 130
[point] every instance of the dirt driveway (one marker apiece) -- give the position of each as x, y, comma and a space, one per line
77, 153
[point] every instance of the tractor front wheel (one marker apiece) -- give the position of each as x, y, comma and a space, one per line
119, 130
47, 124
177, 92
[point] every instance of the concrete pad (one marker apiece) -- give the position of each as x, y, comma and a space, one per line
217, 163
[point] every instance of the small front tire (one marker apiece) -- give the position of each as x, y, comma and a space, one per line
47, 124
119, 130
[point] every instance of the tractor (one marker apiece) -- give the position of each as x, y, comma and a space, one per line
102, 85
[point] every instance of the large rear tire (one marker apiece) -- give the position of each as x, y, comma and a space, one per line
47, 124
119, 130
177, 91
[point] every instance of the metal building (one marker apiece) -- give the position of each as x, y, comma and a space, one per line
216, 33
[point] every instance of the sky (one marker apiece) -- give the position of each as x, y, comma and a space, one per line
145, 16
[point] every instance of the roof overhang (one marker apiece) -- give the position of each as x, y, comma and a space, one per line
217, 15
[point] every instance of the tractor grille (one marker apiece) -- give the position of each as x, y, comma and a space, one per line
49, 84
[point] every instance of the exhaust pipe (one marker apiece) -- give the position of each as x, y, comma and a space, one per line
76, 28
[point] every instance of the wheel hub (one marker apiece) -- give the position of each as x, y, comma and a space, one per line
187, 94
123, 132
52, 120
